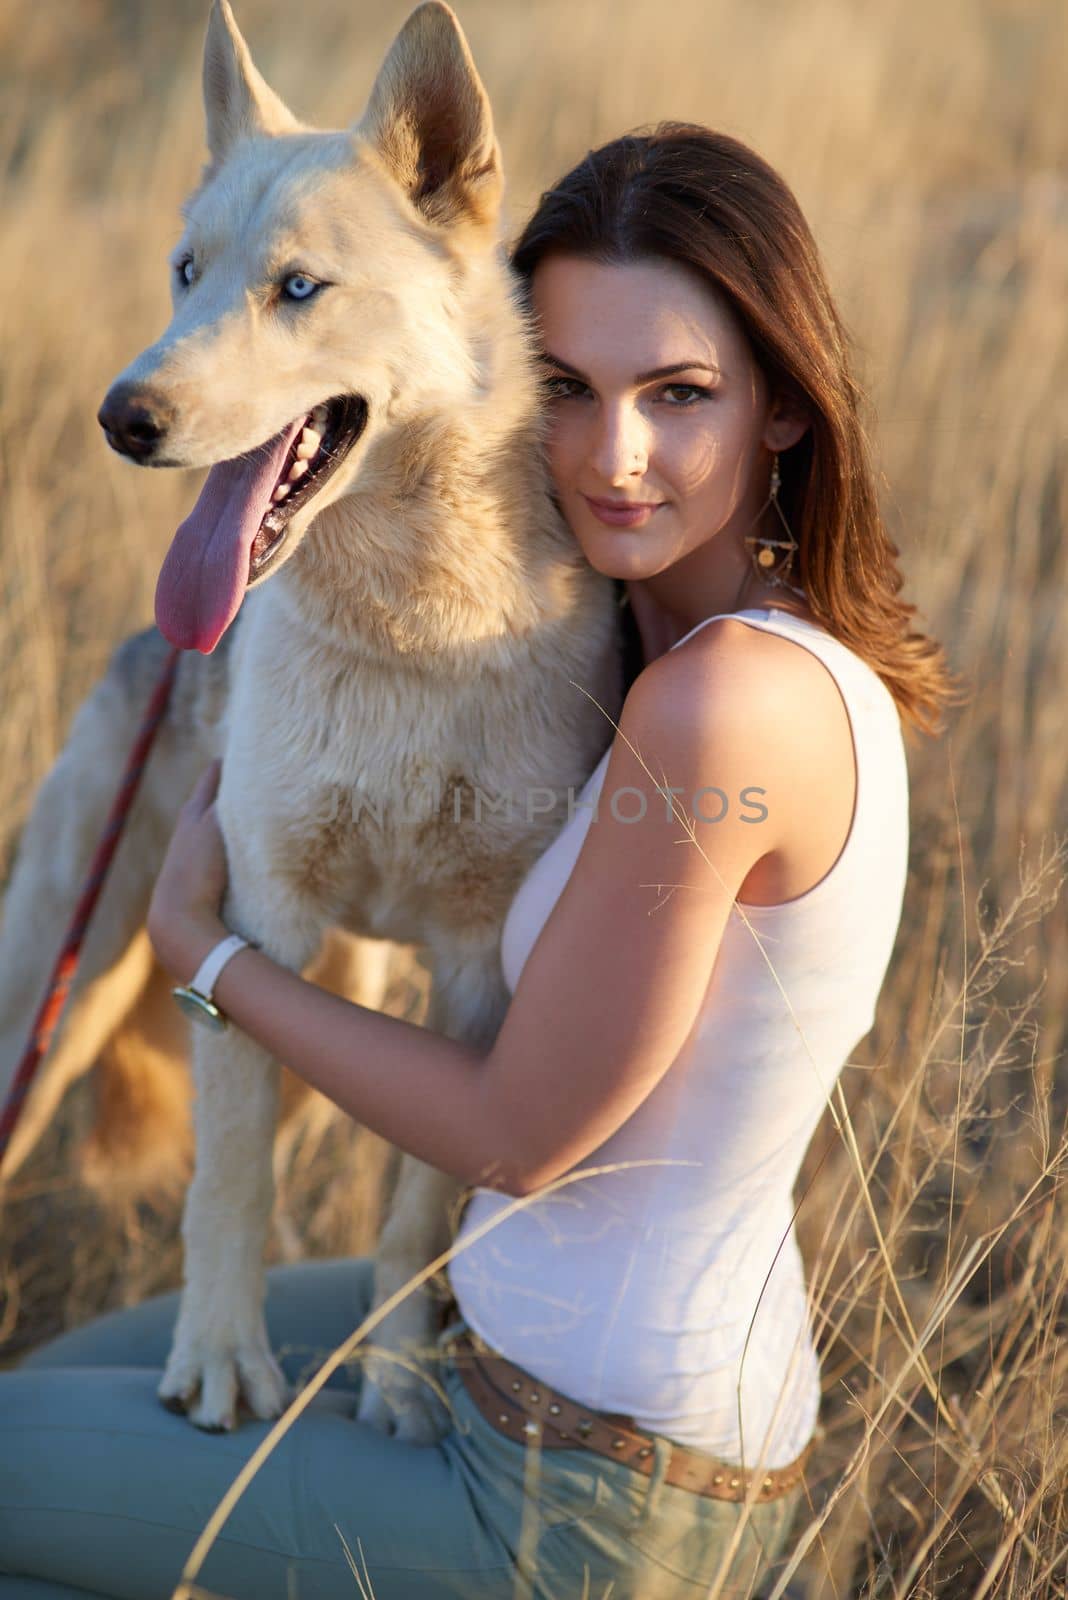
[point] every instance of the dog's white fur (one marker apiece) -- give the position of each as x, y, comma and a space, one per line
423, 630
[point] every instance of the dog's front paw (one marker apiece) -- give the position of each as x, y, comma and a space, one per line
400, 1402
207, 1376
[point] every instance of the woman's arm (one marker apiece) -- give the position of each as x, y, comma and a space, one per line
615, 979
418, 1089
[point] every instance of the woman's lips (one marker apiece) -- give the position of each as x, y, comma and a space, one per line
622, 513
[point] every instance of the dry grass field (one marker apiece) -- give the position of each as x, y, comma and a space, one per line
929, 148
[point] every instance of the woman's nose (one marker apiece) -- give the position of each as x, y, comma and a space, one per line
621, 445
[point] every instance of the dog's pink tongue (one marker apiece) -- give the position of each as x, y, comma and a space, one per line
204, 575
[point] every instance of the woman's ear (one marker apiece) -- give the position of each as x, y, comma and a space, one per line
788, 421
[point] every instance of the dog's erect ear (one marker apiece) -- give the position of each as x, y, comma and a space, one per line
429, 117
236, 99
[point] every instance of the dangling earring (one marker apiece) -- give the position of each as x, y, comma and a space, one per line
773, 559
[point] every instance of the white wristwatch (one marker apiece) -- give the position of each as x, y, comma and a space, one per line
195, 999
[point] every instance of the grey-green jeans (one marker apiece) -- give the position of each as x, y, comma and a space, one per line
103, 1492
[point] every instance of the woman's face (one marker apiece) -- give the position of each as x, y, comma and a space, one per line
659, 417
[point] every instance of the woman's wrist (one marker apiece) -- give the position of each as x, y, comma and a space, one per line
183, 946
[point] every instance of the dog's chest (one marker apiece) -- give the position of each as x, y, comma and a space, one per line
400, 812
407, 849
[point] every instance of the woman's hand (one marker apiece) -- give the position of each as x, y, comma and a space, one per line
184, 917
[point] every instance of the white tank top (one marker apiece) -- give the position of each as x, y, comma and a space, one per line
675, 1294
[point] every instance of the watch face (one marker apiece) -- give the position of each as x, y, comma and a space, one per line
197, 1009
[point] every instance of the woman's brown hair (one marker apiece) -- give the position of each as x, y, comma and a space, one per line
686, 194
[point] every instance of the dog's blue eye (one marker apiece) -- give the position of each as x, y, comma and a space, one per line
186, 270
298, 287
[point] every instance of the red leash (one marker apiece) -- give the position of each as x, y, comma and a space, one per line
67, 962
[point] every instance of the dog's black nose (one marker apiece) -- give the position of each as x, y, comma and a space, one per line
135, 420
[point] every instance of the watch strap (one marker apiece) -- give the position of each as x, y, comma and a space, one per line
207, 974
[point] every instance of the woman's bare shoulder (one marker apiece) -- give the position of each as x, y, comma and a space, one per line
763, 711
753, 661
732, 680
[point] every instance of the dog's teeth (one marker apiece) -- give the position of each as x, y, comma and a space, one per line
281, 492
309, 444
297, 470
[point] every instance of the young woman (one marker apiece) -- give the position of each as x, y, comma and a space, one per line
688, 974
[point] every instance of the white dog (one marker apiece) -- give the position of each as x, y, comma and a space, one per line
348, 354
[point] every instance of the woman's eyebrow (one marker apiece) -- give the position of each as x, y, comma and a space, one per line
643, 377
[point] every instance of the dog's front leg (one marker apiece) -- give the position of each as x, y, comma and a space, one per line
220, 1350
467, 1002
395, 1396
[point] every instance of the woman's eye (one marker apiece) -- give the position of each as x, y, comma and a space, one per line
685, 394
560, 388
186, 270
299, 287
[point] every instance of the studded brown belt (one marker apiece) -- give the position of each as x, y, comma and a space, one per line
523, 1409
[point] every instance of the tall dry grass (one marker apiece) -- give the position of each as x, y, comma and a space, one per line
929, 148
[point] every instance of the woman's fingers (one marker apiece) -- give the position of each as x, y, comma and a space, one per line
204, 790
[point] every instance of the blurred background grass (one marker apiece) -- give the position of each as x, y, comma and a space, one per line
928, 146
